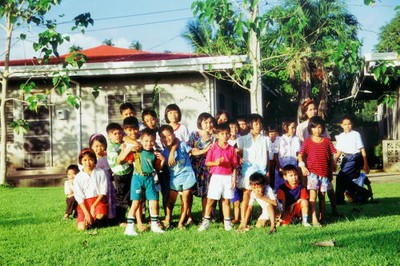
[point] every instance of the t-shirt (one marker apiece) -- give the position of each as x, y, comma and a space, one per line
113, 150
182, 171
268, 192
349, 143
229, 163
289, 195
317, 156
68, 187
288, 150
89, 186
182, 133
144, 162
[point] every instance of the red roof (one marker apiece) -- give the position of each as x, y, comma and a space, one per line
105, 53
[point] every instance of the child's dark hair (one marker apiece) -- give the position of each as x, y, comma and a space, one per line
165, 127
126, 105
148, 132
289, 168
314, 122
222, 112
254, 118
149, 112
203, 116
222, 127
286, 123
73, 167
98, 137
241, 118
272, 128
258, 179
172, 107
130, 122
346, 117
233, 122
89, 152
113, 126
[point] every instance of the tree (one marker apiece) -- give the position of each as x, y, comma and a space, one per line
389, 36
21, 13
136, 45
108, 42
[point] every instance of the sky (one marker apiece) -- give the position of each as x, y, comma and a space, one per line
159, 24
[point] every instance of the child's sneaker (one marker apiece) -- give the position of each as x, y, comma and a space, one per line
227, 225
156, 228
306, 224
130, 231
205, 224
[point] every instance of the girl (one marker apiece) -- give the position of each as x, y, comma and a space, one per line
222, 117
173, 116
289, 147
316, 160
98, 143
201, 141
90, 189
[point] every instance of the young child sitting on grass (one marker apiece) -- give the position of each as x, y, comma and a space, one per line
90, 189
147, 162
72, 171
265, 197
293, 196
182, 177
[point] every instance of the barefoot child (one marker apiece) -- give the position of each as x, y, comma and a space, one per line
293, 197
264, 195
90, 189
316, 162
147, 162
222, 160
72, 171
182, 177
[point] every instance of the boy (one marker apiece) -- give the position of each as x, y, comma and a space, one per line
182, 177
293, 196
264, 195
127, 109
72, 171
122, 170
147, 162
131, 130
243, 128
350, 144
274, 139
222, 160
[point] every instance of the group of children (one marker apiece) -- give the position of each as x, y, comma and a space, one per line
225, 161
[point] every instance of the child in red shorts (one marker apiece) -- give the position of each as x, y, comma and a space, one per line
293, 196
90, 188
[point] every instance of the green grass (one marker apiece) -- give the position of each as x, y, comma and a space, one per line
32, 232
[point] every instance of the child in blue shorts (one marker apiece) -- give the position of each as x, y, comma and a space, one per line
182, 177
147, 162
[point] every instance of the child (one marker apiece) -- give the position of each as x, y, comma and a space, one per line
131, 130
288, 150
293, 197
127, 109
72, 171
316, 162
90, 189
173, 117
360, 194
121, 169
222, 117
350, 144
237, 193
273, 138
243, 128
254, 148
147, 162
222, 160
201, 141
182, 177
98, 143
149, 118
264, 195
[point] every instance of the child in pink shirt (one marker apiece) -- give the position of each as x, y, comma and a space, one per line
222, 160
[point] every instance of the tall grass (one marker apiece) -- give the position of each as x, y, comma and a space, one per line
33, 233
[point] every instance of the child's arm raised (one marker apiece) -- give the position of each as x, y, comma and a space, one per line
171, 156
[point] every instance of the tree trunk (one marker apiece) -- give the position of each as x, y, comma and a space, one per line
305, 83
324, 90
4, 88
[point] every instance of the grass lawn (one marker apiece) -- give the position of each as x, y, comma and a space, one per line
32, 232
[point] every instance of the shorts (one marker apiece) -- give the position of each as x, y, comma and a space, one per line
287, 217
220, 186
142, 184
237, 195
315, 182
186, 185
101, 208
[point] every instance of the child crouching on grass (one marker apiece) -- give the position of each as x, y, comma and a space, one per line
72, 171
265, 197
182, 177
147, 162
222, 160
293, 196
90, 189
